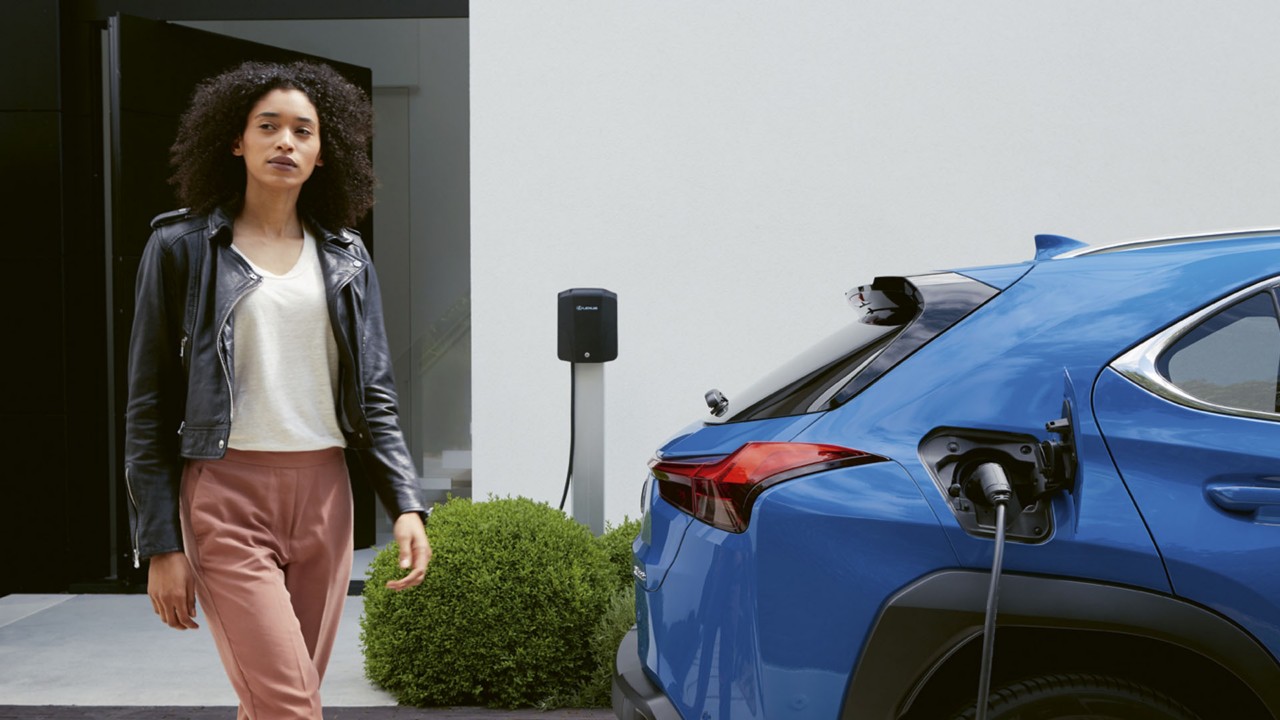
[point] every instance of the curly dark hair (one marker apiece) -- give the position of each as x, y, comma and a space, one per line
208, 175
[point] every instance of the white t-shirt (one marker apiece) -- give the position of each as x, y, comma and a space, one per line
286, 362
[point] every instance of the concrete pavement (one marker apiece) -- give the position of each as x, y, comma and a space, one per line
112, 651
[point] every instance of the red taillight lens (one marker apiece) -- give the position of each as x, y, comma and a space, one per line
720, 490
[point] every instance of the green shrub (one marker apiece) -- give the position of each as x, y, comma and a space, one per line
617, 542
619, 615
504, 617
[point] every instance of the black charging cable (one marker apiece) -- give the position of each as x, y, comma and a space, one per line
996, 489
573, 429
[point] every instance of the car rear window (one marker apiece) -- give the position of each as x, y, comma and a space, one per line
897, 317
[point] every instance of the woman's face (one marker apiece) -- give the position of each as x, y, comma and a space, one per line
281, 141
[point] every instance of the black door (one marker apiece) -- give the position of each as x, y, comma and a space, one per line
152, 69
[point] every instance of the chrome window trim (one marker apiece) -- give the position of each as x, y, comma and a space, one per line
1170, 240
1139, 363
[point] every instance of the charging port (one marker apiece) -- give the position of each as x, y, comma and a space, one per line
954, 455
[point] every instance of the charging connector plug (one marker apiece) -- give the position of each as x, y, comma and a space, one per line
993, 482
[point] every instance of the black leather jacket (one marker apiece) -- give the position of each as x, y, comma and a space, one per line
180, 368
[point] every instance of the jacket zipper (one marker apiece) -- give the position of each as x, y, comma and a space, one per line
357, 352
226, 373
137, 513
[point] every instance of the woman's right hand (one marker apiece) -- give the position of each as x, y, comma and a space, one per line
172, 589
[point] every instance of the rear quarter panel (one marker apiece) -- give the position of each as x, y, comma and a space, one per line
769, 623
1009, 367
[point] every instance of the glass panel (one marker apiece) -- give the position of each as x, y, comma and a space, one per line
830, 373
1231, 359
422, 256
813, 375
441, 373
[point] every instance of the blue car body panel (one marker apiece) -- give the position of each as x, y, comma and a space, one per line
770, 622
819, 556
661, 532
1171, 456
997, 276
722, 439
663, 528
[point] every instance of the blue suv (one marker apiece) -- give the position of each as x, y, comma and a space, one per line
1037, 491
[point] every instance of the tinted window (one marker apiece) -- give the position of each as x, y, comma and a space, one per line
814, 375
900, 315
1232, 359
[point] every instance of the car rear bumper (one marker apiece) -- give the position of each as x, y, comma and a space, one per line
635, 697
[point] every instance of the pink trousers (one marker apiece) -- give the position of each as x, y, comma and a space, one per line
268, 536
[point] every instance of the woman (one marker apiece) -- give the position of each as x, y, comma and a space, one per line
258, 354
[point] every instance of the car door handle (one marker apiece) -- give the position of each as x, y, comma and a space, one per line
1242, 497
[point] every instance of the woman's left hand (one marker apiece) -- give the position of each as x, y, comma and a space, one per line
415, 550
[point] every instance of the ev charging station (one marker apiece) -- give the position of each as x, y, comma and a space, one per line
588, 338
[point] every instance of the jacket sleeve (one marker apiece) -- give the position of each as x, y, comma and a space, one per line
153, 466
386, 458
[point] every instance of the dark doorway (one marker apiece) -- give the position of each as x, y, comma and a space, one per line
152, 68
75, 249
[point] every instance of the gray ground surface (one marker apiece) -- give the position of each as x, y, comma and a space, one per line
107, 657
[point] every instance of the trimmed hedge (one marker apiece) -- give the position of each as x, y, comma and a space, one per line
505, 616
618, 617
617, 542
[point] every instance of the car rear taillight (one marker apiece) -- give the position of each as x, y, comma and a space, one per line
720, 490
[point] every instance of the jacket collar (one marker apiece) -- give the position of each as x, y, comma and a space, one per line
221, 219
343, 237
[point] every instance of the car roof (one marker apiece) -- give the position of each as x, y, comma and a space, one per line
1009, 364
1189, 248
1159, 242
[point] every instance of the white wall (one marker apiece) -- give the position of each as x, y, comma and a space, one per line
730, 168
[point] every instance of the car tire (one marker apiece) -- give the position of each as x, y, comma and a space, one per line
1078, 696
